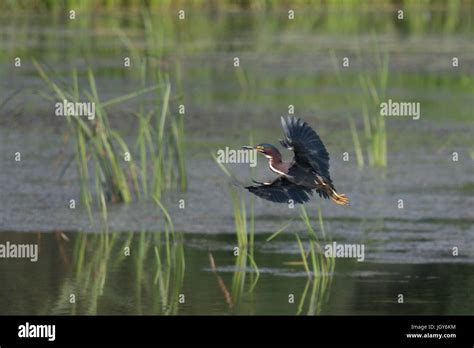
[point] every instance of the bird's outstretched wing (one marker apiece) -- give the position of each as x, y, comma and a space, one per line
281, 190
307, 145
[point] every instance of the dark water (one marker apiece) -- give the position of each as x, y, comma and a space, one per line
113, 287
408, 251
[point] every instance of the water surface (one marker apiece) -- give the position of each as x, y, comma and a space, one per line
409, 251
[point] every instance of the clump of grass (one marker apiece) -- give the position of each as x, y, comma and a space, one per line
319, 268
170, 267
177, 127
245, 240
374, 92
161, 134
244, 220
100, 149
160, 144
97, 141
373, 87
160, 269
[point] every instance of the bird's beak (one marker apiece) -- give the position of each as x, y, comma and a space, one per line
256, 148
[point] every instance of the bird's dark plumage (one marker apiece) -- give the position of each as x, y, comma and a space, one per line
281, 190
308, 171
307, 145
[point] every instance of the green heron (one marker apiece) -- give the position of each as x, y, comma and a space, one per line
308, 171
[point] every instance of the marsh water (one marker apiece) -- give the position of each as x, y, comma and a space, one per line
409, 249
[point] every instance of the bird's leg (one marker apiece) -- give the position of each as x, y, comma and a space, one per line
338, 198
320, 181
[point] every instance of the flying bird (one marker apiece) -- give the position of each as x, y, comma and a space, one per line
308, 171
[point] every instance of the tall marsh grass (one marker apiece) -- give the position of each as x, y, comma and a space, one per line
170, 267
318, 267
161, 134
373, 85
104, 157
245, 243
244, 220
374, 88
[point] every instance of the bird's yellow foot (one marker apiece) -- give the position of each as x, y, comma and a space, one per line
340, 199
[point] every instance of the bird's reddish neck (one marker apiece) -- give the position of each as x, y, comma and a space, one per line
277, 165
275, 161
275, 158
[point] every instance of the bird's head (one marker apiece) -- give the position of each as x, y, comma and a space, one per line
268, 150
